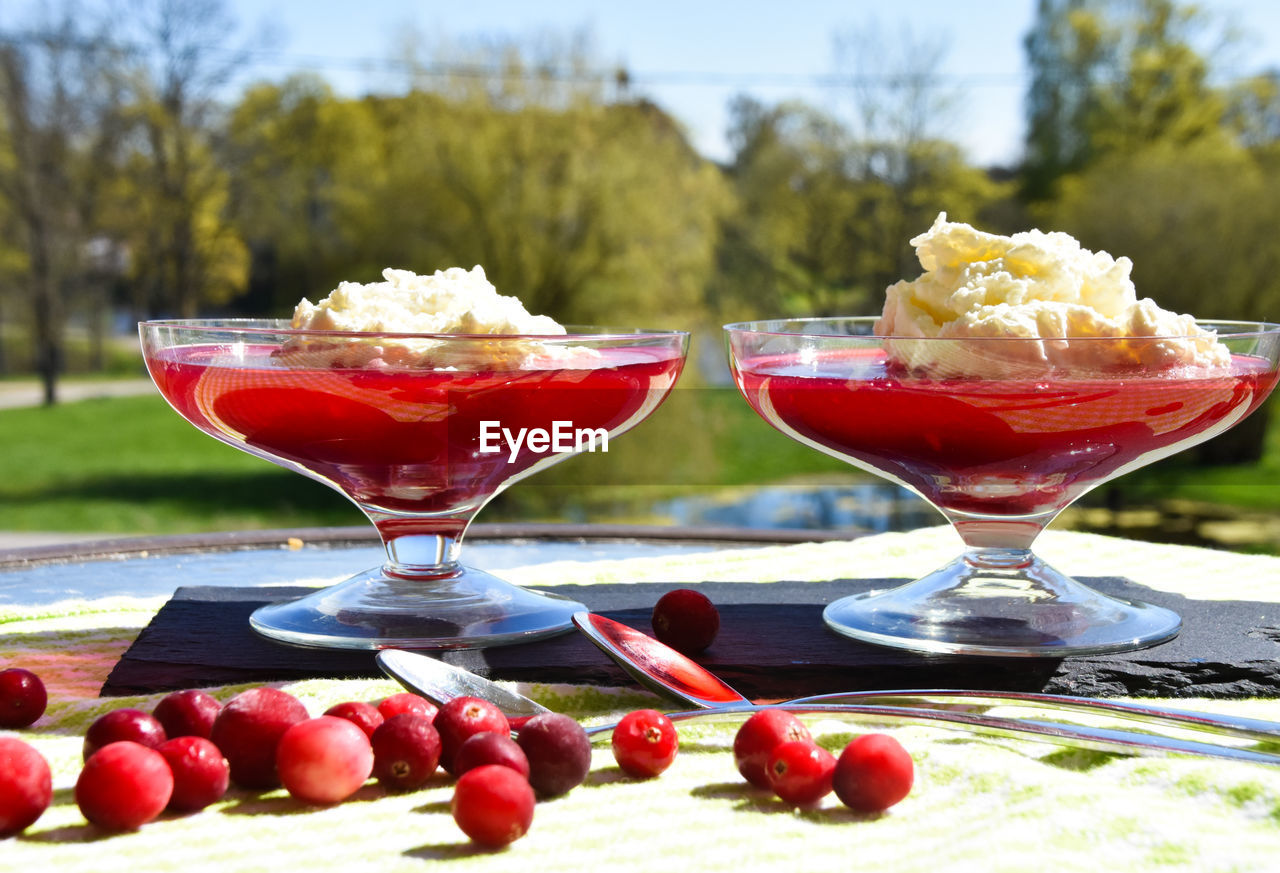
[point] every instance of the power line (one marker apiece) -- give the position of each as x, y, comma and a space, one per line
689, 78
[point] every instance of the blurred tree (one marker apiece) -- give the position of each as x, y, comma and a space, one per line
1253, 111
59, 122
173, 196
1110, 76
13, 257
590, 211
1198, 223
791, 245
302, 163
826, 208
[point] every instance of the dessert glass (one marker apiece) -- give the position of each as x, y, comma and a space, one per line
418, 447
999, 452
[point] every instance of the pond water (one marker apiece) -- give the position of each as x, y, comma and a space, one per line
879, 507
865, 507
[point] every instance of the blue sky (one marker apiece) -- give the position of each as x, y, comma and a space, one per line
692, 56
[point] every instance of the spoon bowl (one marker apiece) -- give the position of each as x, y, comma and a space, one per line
655, 665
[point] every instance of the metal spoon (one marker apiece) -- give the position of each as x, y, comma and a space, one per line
666, 671
441, 682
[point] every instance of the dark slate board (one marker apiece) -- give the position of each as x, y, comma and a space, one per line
772, 645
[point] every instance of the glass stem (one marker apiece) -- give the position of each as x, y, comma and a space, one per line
998, 559
983, 535
417, 556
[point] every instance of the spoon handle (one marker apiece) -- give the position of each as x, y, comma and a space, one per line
1258, 730
1076, 736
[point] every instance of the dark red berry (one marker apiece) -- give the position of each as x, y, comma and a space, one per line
493, 805
685, 620
406, 752
123, 786
248, 729
800, 772
324, 760
873, 773
363, 715
188, 713
462, 717
22, 698
759, 736
26, 785
558, 750
405, 701
123, 724
645, 743
200, 773
490, 748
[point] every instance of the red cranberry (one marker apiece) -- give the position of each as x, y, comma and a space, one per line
800, 772
406, 751
493, 805
248, 729
462, 717
490, 748
759, 736
558, 750
324, 760
406, 701
26, 785
363, 715
685, 620
645, 743
188, 713
123, 724
123, 786
873, 773
22, 698
200, 773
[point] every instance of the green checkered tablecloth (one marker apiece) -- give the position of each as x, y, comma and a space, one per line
980, 804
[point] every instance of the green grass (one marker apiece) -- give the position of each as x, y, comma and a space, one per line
132, 466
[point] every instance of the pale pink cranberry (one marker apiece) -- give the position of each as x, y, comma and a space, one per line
324, 760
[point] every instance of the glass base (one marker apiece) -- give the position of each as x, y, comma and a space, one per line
468, 609
1021, 609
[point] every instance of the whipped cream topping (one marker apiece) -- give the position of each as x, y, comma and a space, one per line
1078, 308
448, 301
452, 301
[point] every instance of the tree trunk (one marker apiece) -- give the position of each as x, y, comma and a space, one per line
4, 357
47, 334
